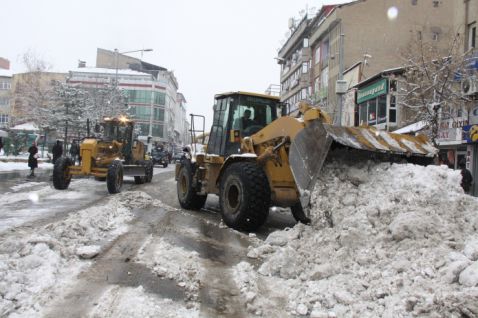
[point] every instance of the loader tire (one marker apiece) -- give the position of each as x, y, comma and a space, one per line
244, 196
61, 173
187, 194
149, 171
114, 178
299, 214
165, 165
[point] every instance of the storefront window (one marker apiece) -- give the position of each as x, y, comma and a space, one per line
382, 109
372, 112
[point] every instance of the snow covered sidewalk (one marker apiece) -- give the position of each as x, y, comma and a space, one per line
385, 241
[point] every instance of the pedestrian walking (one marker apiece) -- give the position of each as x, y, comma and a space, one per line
466, 177
1, 144
33, 158
57, 151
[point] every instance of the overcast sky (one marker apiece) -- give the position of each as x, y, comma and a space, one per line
212, 46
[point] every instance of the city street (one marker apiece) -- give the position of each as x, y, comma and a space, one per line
192, 276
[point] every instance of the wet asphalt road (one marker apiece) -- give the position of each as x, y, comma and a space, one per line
219, 248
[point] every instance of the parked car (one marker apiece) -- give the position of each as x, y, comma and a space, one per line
177, 156
160, 157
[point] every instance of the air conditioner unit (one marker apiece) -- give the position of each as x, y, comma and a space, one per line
341, 87
469, 86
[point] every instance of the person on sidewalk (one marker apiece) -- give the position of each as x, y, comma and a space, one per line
33, 158
57, 151
466, 177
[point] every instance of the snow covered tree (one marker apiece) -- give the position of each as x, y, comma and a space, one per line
430, 89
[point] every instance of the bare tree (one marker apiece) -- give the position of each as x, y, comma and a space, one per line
430, 89
33, 88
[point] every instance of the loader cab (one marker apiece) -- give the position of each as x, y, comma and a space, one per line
238, 115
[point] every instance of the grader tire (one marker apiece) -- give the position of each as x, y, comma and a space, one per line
114, 178
299, 214
244, 196
61, 173
149, 171
139, 180
187, 194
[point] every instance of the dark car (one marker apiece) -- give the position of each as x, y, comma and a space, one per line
160, 157
177, 156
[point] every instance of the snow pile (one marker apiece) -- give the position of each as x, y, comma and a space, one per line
385, 240
34, 266
172, 262
134, 302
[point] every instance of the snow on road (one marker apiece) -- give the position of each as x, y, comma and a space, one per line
30, 201
385, 241
37, 265
120, 302
12, 166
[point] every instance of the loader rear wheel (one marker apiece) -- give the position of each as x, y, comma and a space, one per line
244, 196
187, 194
61, 173
299, 214
114, 178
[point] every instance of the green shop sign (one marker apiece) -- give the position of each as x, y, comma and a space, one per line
372, 91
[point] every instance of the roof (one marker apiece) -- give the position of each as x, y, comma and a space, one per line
277, 98
413, 128
26, 126
396, 70
97, 70
6, 73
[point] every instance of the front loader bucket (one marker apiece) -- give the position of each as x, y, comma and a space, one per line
307, 154
310, 148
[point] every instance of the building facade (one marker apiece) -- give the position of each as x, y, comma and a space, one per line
5, 96
459, 133
168, 106
338, 37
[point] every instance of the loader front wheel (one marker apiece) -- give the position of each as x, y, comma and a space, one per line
187, 194
61, 173
114, 178
299, 214
244, 196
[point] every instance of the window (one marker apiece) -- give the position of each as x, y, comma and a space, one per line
4, 101
306, 42
317, 55
414, 2
382, 109
305, 67
435, 36
436, 3
392, 112
325, 52
3, 119
5, 85
472, 36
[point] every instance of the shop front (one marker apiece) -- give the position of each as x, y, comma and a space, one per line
470, 136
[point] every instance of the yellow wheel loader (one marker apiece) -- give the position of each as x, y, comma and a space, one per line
110, 157
255, 160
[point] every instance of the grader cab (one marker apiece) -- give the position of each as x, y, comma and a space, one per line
110, 157
255, 160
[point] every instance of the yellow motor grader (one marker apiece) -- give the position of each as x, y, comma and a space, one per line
254, 160
110, 157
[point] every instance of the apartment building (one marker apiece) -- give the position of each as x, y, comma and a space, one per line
30, 90
367, 36
168, 106
5, 92
459, 142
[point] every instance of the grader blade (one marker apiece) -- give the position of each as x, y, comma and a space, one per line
319, 142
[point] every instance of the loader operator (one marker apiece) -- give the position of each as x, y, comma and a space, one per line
246, 119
